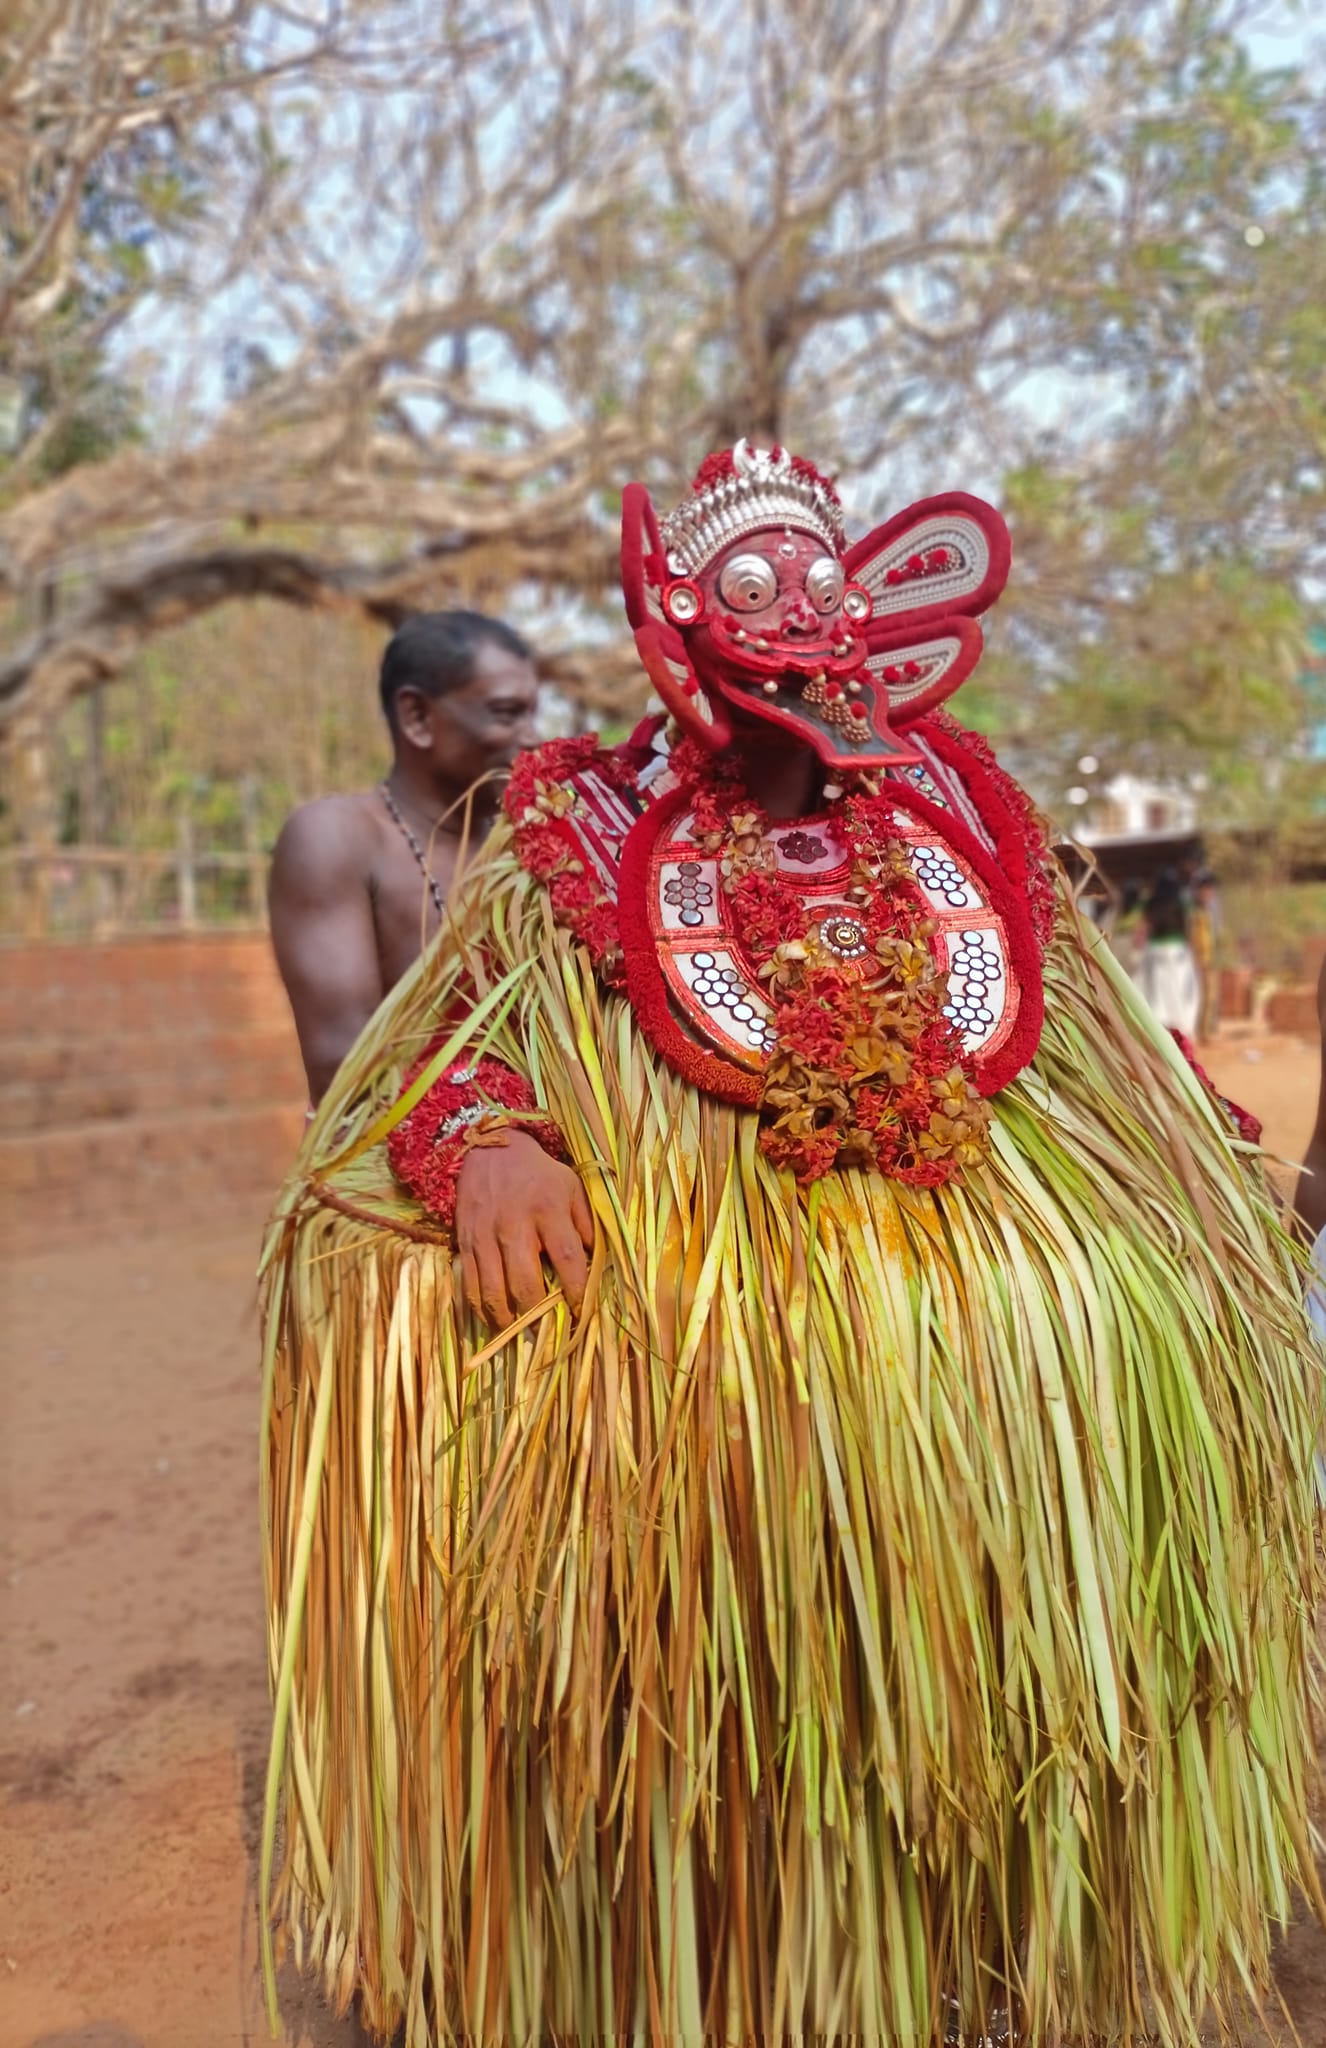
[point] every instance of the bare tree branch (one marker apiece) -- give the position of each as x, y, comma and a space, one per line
449, 288
96, 641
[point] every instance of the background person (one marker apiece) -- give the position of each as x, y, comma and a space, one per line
358, 882
1165, 970
1204, 938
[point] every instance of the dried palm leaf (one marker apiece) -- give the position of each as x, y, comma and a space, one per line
877, 1603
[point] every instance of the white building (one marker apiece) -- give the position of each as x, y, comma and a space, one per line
1130, 808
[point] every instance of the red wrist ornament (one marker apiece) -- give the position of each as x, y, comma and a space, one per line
466, 1106
1245, 1123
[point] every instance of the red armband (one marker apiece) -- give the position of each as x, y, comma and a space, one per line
1245, 1123
466, 1106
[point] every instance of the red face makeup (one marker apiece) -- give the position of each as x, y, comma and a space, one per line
777, 633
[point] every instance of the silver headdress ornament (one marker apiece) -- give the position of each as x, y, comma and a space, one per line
765, 492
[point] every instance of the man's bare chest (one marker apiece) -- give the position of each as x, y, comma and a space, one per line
406, 893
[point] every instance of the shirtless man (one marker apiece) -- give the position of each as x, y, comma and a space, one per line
358, 882
1310, 1200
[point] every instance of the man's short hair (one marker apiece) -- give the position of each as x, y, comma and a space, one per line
434, 652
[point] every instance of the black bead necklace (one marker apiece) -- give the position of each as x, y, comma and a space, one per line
414, 846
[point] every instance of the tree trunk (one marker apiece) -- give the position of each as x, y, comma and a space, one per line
186, 872
94, 829
34, 816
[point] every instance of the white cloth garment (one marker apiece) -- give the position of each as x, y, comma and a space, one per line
1166, 973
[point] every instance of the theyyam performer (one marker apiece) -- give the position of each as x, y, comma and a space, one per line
788, 1420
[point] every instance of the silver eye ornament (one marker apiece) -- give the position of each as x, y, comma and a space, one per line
857, 603
824, 584
747, 583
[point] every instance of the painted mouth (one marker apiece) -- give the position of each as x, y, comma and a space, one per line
812, 683
770, 655
834, 705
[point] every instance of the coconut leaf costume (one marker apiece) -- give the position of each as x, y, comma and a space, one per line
886, 1609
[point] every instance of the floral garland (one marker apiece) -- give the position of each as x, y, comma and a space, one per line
866, 1069
538, 802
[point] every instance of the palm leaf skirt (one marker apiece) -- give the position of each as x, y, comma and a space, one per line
878, 1608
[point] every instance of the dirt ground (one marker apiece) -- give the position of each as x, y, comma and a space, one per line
133, 1698
133, 1692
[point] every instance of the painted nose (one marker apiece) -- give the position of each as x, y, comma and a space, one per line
801, 621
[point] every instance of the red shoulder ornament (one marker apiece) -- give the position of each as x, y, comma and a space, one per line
571, 804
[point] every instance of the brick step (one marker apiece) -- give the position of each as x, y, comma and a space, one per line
164, 957
1236, 993
51, 1083
145, 1174
1293, 1011
113, 1010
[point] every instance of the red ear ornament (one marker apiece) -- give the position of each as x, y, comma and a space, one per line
683, 601
919, 670
929, 572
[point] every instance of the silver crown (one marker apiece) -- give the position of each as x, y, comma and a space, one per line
765, 492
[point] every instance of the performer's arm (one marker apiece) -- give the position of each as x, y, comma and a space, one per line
1310, 1200
323, 934
481, 1159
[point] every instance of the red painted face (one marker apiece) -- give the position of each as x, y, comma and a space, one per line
773, 612
776, 639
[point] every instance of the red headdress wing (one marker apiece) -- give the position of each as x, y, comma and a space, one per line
929, 570
661, 647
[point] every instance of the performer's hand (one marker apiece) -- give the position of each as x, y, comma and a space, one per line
515, 1207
